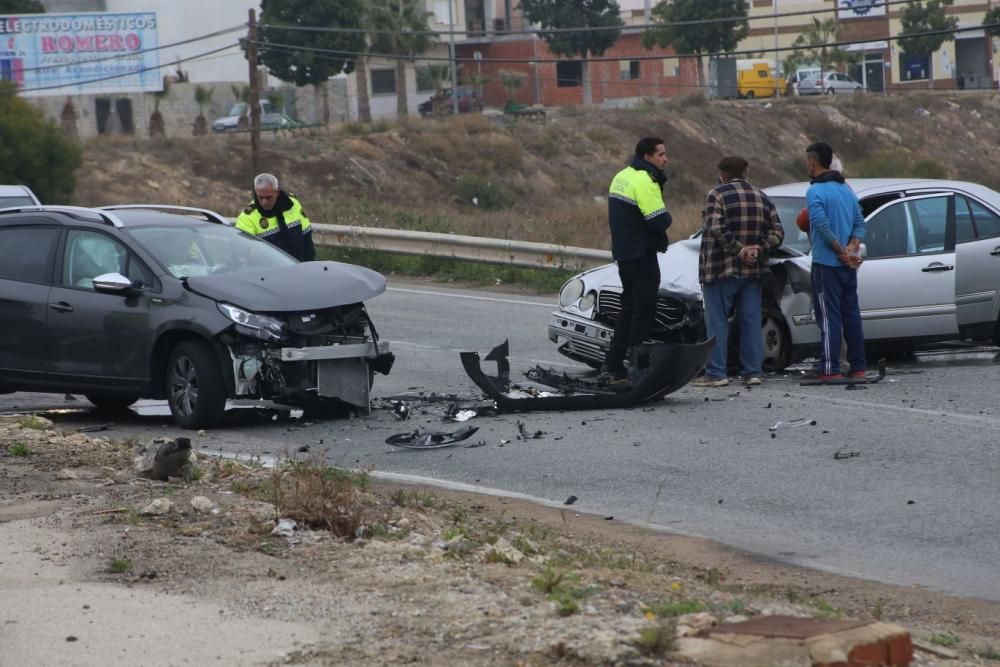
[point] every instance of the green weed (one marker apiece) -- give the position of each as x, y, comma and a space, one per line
18, 449
946, 639
988, 653
670, 608
32, 422
824, 610
119, 565
655, 640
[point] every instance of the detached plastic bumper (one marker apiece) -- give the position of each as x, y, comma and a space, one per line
662, 370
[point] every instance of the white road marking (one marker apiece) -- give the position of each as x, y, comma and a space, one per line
469, 296
929, 412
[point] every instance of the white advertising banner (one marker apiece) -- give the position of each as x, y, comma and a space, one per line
860, 9
74, 54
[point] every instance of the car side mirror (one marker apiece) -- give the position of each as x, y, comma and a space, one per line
114, 283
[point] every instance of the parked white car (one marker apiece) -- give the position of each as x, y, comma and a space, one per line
17, 195
932, 273
832, 83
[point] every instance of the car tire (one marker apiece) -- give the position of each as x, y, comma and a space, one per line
750, 95
776, 338
830, 91
194, 386
111, 403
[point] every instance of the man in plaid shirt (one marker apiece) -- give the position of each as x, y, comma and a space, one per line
740, 226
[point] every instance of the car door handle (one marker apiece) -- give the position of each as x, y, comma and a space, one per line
931, 268
995, 251
62, 307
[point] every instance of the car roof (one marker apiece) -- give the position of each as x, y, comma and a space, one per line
131, 215
16, 191
866, 187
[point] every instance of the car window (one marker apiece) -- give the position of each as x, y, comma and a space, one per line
25, 253
964, 229
930, 222
987, 222
788, 208
887, 233
207, 249
90, 254
15, 202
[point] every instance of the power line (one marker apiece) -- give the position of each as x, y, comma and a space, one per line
549, 31
119, 76
88, 61
340, 54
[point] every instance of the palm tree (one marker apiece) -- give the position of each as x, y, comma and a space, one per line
814, 40
202, 97
242, 94
406, 26
438, 76
157, 126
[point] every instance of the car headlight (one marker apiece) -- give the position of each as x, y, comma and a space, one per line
570, 292
252, 324
588, 301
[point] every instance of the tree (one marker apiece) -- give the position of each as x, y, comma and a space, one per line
400, 29
992, 19
21, 7
699, 38
157, 126
202, 97
511, 80
555, 14
33, 150
813, 46
919, 18
335, 51
437, 76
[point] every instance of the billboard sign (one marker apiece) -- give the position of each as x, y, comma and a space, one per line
860, 9
80, 54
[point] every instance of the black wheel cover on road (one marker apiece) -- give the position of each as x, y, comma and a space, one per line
111, 402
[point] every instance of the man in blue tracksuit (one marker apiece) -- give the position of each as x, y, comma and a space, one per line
837, 229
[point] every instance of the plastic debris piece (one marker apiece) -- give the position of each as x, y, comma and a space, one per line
463, 415
285, 528
418, 440
804, 421
570, 500
400, 410
842, 454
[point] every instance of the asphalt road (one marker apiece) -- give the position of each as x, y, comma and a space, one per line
918, 505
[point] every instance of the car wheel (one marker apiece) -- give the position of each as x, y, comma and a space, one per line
776, 339
194, 386
750, 95
112, 402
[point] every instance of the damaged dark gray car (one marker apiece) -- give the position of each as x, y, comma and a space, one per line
153, 301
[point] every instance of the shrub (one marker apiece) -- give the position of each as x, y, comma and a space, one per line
34, 151
484, 193
893, 164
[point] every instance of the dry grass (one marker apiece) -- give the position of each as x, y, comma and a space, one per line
320, 496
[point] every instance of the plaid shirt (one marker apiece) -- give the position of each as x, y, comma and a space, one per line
737, 214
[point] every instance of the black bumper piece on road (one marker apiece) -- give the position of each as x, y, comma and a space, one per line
669, 368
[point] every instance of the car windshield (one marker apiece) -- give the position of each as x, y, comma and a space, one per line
238, 109
788, 209
208, 249
13, 202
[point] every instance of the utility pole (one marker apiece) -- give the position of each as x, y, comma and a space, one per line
774, 4
454, 65
254, 101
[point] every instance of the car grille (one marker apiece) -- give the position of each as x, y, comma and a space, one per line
671, 312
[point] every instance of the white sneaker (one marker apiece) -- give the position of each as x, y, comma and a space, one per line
706, 381
754, 381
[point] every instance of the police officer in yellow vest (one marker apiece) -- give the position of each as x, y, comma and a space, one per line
277, 217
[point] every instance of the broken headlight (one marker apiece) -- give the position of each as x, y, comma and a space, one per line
252, 324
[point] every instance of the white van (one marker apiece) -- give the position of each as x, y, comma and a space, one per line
800, 74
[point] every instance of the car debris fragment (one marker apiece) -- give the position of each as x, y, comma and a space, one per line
667, 368
419, 440
842, 454
791, 423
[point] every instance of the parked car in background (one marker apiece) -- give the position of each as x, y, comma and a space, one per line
799, 75
755, 78
931, 274
831, 83
17, 195
270, 118
124, 303
468, 101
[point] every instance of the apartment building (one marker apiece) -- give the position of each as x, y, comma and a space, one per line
968, 62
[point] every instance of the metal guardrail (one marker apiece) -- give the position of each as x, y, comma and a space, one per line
455, 246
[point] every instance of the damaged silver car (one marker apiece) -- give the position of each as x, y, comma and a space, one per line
175, 303
931, 274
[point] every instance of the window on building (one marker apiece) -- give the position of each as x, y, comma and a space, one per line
383, 81
628, 69
569, 74
914, 67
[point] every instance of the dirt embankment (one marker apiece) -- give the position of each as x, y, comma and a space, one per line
100, 565
547, 181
